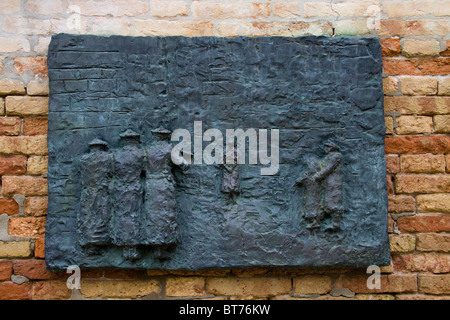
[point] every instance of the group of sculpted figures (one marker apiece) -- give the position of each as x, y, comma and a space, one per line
128, 194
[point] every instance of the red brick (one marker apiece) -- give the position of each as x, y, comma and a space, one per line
5, 270
416, 67
12, 291
26, 226
37, 65
417, 144
50, 290
394, 28
390, 184
390, 47
422, 183
27, 186
9, 126
428, 262
15, 165
389, 283
35, 126
399, 203
424, 223
9, 206
120, 274
36, 206
392, 164
417, 105
433, 242
34, 269
446, 52
39, 247
422, 163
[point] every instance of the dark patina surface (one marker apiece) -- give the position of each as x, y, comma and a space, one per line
117, 200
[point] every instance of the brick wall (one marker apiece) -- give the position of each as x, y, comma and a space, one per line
414, 37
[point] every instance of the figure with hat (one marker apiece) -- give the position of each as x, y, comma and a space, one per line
128, 194
160, 215
95, 206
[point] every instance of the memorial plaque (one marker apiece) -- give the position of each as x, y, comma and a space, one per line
184, 153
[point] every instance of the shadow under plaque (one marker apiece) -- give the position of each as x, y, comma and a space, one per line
117, 198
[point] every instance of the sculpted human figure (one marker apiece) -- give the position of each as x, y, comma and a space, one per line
95, 205
160, 227
128, 194
323, 189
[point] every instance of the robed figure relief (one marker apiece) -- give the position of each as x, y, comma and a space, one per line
128, 194
160, 228
95, 205
322, 182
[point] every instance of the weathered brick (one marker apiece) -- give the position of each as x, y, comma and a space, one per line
26, 106
286, 9
414, 124
391, 223
424, 223
2, 105
12, 291
168, 9
11, 87
397, 9
26, 226
374, 297
389, 122
36, 206
34, 145
44, 7
399, 204
15, 249
417, 105
392, 163
37, 65
400, 28
9, 6
415, 86
285, 29
185, 286
417, 144
422, 183
390, 85
433, 242
390, 47
9, 206
10, 126
420, 297
416, 67
402, 242
248, 286
118, 288
421, 48
439, 202
39, 248
422, 163
108, 7
27, 186
5, 270
390, 184
120, 274
41, 48
15, 165
37, 165
442, 123
38, 87
356, 8
312, 285
32, 26
237, 10
391, 283
35, 269
351, 27
35, 126
434, 284
173, 28
14, 45
447, 163
318, 9
444, 86
111, 26
50, 290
